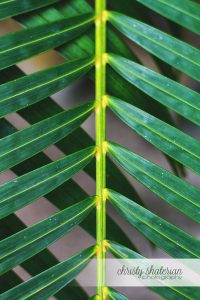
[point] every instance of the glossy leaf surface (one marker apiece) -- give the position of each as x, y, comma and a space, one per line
179, 98
170, 188
30, 89
166, 236
186, 13
176, 53
18, 46
19, 247
25, 143
168, 139
51, 281
31, 186
11, 8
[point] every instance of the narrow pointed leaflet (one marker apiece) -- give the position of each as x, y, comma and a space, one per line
10, 8
178, 54
18, 46
168, 139
25, 143
167, 292
31, 186
52, 280
30, 89
177, 192
175, 96
166, 236
17, 248
186, 13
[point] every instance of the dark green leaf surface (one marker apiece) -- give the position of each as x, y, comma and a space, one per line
84, 46
19, 247
73, 191
25, 143
168, 139
9, 8
18, 46
115, 295
170, 188
29, 187
179, 98
74, 142
30, 89
168, 237
186, 13
176, 53
51, 281
36, 264
170, 293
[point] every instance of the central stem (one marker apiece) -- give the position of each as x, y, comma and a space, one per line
100, 42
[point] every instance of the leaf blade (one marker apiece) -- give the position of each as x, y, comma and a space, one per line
168, 139
52, 280
24, 244
30, 89
21, 191
13, 8
25, 143
170, 188
115, 295
178, 54
18, 46
171, 94
187, 14
168, 237
168, 292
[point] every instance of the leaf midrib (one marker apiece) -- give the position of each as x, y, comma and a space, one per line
8, 1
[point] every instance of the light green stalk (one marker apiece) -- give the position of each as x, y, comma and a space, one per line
101, 102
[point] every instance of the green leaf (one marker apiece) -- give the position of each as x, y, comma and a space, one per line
84, 46
176, 53
29, 187
168, 139
186, 13
169, 293
179, 98
51, 281
166, 236
30, 89
18, 46
36, 264
115, 295
14, 7
73, 191
175, 191
19, 247
74, 142
25, 143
